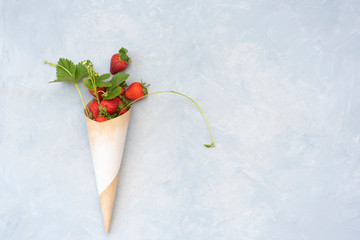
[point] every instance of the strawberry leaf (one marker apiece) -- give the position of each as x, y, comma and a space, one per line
102, 77
112, 93
65, 69
114, 89
118, 79
80, 72
99, 80
104, 84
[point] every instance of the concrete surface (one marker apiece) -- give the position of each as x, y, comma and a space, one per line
279, 82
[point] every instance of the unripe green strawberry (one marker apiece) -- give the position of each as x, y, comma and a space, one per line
110, 105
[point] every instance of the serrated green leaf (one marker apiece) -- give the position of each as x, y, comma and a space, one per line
118, 79
80, 72
104, 84
102, 77
113, 93
65, 69
99, 80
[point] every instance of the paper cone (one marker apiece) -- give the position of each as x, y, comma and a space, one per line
107, 141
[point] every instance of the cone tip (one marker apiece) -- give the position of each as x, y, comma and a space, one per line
107, 198
107, 208
107, 227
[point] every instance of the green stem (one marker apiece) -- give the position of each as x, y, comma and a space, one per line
82, 99
97, 96
57, 65
206, 145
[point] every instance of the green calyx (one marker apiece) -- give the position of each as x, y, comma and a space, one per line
145, 87
123, 55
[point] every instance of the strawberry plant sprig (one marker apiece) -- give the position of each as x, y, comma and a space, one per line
67, 71
105, 92
111, 98
93, 80
211, 145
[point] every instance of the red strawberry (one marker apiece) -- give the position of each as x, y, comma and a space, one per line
110, 105
123, 86
100, 119
122, 111
122, 90
100, 90
118, 100
94, 109
119, 61
136, 90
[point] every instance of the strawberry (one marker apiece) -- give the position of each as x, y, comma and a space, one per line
100, 119
122, 90
122, 111
123, 86
119, 61
118, 101
94, 109
100, 91
136, 90
110, 105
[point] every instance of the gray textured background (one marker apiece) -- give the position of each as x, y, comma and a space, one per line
278, 81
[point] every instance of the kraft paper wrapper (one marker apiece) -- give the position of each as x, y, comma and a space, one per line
107, 141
